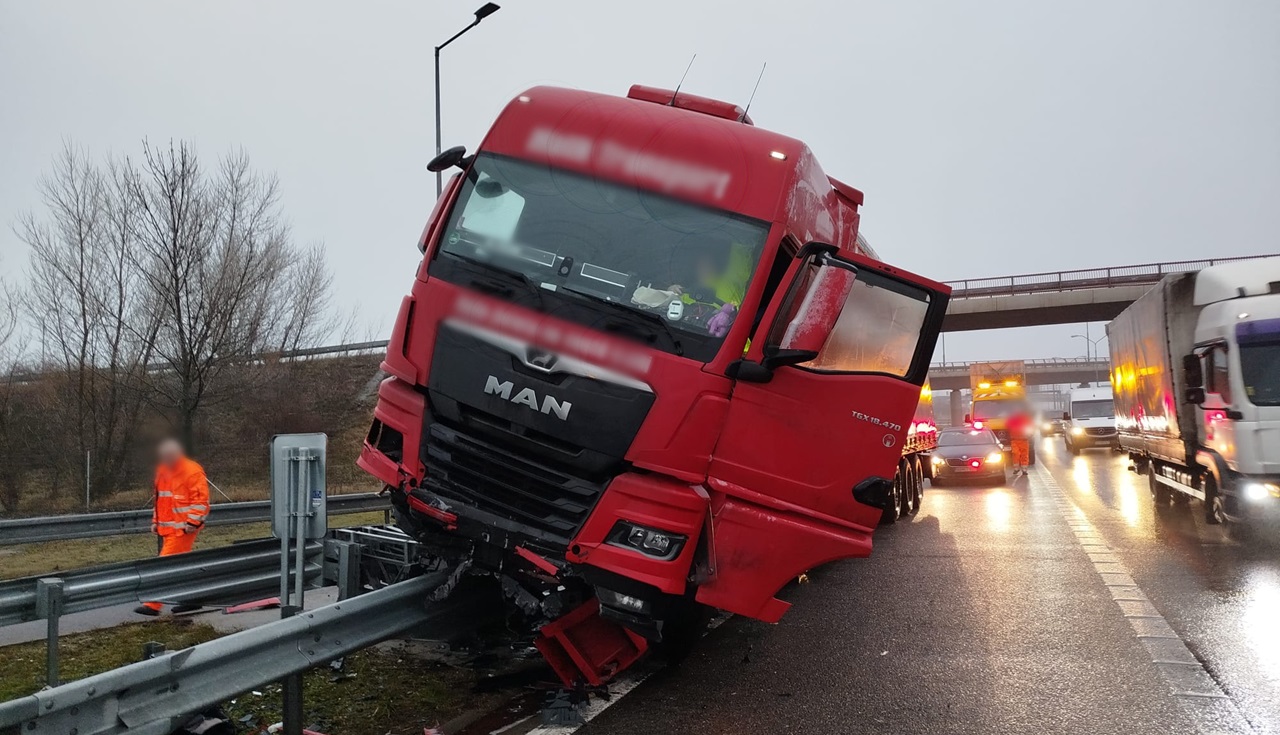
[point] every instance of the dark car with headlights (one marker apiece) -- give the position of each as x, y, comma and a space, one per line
1050, 427
968, 454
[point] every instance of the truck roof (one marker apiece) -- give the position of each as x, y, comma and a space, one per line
692, 148
1234, 280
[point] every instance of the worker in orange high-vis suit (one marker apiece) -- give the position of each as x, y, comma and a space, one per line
181, 507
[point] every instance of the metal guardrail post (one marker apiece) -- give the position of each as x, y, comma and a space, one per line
348, 569
49, 597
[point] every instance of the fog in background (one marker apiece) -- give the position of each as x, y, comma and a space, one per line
990, 138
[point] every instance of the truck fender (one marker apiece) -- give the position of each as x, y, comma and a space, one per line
1214, 464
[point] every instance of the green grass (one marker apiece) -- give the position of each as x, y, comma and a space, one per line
379, 691
54, 556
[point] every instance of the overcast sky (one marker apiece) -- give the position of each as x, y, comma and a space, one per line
989, 137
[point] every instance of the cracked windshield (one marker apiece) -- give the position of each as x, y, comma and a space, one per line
686, 266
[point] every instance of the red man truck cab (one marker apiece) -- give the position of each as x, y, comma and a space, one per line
646, 369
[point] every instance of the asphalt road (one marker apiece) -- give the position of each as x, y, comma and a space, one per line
1063, 603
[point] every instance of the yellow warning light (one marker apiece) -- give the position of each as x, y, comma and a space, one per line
1011, 384
984, 385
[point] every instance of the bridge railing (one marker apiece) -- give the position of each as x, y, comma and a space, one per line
1068, 280
1046, 362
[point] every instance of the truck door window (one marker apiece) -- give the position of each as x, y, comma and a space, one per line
878, 328
1216, 371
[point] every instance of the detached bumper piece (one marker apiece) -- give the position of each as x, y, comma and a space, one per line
584, 648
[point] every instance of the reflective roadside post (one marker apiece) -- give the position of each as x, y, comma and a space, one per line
298, 514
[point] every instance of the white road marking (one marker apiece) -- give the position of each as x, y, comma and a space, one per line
1189, 682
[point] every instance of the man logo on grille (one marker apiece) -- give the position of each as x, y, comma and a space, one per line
527, 397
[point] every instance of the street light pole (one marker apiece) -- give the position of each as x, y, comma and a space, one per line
485, 11
1089, 342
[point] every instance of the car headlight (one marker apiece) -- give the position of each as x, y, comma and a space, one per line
1077, 430
995, 457
1047, 426
937, 460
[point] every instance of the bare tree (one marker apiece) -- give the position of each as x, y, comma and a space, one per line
84, 299
222, 275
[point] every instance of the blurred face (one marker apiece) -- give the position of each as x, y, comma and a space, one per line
168, 452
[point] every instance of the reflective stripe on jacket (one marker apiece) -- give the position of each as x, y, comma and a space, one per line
182, 498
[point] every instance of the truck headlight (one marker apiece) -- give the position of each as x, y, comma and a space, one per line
648, 541
1256, 491
1077, 431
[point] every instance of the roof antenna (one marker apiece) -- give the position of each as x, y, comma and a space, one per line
672, 103
753, 92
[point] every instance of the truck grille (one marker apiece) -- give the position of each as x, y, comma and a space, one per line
467, 470
1101, 431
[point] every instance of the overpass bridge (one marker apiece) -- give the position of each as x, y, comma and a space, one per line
1052, 371
1059, 297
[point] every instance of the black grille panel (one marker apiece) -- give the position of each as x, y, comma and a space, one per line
467, 470
1100, 431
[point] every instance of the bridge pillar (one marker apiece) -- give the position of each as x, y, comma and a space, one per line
957, 407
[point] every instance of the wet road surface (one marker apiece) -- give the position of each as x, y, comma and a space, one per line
1037, 607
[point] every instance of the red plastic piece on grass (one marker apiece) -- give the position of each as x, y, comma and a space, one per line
582, 646
255, 605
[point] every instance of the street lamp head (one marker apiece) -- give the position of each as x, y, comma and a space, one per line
486, 10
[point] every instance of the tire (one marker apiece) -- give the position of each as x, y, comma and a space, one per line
889, 515
681, 631
1214, 503
917, 485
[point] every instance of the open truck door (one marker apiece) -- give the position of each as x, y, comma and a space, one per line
817, 420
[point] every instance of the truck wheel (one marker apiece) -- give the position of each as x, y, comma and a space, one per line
890, 513
917, 485
1214, 506
908, 489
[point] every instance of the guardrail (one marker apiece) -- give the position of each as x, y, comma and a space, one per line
93, 525
157, 695
229, 573
1068, 280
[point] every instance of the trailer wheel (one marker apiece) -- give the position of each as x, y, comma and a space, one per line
1214, 503
908, 489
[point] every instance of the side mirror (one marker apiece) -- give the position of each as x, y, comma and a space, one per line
1192, 372
1195, 396
1066, 415
455, 156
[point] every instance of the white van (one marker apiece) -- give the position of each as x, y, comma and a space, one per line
1091, 422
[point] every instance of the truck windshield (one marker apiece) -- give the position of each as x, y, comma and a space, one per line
1102, 409
1260, 369
580, 240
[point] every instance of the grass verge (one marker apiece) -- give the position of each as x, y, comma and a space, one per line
378, 691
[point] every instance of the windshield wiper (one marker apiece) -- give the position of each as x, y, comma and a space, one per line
634, 314
490, 268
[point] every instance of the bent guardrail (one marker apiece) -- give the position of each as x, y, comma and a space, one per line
93, 525
229, 573
157, 695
